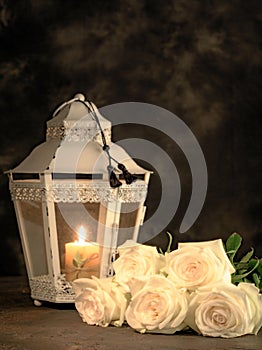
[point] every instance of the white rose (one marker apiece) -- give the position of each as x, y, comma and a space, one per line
225, 310
137, 260
100, 301
196, 264
156, 305
255, 300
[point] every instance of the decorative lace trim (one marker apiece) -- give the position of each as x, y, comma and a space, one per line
93, 192
77, 134
45, 288
27, 192
55, 132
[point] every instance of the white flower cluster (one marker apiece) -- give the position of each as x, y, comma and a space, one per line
156, 293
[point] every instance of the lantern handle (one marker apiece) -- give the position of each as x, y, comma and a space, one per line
93, 110
114, 182
77, 97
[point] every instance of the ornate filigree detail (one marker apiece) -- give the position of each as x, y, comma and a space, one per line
96, 192
45, 288
54, 132
77, 134
137, 192
74, 192
92, 192
27, 192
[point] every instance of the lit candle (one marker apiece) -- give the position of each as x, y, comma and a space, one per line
82, 259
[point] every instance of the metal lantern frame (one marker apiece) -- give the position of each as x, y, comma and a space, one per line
71, 166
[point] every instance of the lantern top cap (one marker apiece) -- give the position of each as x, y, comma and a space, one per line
80, 96
77, 119
74, 143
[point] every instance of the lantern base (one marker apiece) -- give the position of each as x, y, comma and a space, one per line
46, 288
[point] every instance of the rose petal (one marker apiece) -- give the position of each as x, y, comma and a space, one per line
157, 306
223, 310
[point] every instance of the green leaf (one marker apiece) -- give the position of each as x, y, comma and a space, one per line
253, 262
75, 263
161, 251
232, 245
256, 279
238, 278
78, 260
247, 257
240, 265
233, 242
259, 268
170, 242
230, 251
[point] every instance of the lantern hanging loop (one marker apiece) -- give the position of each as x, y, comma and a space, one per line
77, 97
113, 180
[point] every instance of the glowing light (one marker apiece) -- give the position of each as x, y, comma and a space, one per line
81, 234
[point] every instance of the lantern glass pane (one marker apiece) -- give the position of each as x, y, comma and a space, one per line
118, 222
32, 234
127, 222
77, 225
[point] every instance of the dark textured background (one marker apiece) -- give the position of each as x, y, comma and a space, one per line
199, 59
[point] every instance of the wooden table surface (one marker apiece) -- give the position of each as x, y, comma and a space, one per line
24, 326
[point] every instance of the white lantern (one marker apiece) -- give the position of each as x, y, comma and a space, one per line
71, 218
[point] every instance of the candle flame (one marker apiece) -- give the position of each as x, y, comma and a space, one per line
81, 234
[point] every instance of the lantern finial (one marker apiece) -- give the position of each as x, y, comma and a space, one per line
80, 97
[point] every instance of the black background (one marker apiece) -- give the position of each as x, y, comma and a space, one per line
199, 59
